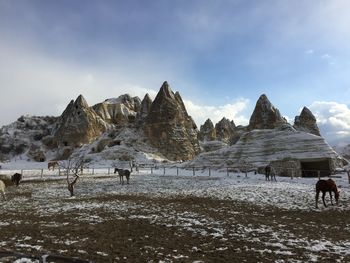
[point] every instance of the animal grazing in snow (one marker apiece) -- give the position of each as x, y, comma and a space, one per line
2, 189
123, 173
326, 186
16, 178
52, 164
268, 174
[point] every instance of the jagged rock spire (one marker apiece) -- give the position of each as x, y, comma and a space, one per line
170, 128
225, 130
78, 124
81, 102
207, 131
145, 107
306, 121
265, 115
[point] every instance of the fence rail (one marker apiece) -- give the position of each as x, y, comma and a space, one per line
159, 170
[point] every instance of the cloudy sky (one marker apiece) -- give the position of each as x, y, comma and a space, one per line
220, 55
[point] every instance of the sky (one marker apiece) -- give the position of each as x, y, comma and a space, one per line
220, 56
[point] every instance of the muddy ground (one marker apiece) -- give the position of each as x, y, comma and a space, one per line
188, 229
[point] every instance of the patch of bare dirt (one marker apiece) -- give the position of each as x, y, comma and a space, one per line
175, 230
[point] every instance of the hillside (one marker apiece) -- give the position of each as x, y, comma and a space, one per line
126, 129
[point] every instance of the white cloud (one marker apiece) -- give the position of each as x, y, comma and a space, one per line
309, 51
36, 84
326, 56
232, 111
333, 120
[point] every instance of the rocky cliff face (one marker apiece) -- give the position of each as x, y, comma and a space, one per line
225, 130
145, 107
207, 131
119, 110
265, 115
78, 124
26, 138
306, 121
169, 127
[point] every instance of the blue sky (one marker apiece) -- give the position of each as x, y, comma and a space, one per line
220, 55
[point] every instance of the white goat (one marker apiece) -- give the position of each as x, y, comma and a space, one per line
2, 189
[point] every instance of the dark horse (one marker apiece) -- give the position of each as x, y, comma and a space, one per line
16, 178
268, 174
123, 173
326, 186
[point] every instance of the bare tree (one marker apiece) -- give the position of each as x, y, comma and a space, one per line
73, 168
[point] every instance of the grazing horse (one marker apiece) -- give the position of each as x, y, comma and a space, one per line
123, 173
16, 178
326, 186
268, 174
52, 164
2, 189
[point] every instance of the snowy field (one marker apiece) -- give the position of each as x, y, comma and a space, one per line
43, 196
286, 193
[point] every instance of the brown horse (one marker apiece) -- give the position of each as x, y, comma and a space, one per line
52, 164
16, 178
326, 186
123, 173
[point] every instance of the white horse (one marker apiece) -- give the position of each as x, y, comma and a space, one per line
2, 189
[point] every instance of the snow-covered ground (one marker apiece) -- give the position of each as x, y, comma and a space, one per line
286, 193
297, 194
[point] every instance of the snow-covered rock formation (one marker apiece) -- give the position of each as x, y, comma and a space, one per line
265, 115
169, 127
261, 147
119, 110
78, 124
306, 121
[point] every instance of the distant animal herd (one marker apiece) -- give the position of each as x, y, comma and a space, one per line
323, 186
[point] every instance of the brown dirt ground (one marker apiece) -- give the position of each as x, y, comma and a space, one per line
127, 239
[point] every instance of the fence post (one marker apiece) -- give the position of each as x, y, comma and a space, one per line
319, 175
93, 171
164, 170
151, 170
227, 171
109, 171
42, 171
292, 174
22, 171
59, 171
209, 172
194, 173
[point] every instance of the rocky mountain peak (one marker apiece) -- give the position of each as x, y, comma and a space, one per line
170, 128
307, 114
145, 107
207, 131
78, 124
225, 130
306, 121
265, 115
80, 102
118, 110
165, 92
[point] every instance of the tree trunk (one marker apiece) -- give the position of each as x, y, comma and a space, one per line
71, 189
71, 185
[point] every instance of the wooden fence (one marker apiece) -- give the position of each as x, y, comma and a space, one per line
154, 169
